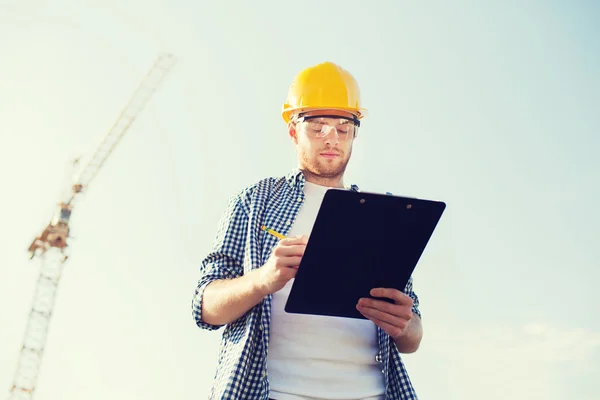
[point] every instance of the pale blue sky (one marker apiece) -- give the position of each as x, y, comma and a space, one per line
491, 108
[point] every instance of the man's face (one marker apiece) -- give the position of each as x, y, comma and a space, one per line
324, 144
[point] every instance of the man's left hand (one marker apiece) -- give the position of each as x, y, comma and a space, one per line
393, 318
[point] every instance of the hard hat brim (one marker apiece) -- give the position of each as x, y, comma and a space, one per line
288, 111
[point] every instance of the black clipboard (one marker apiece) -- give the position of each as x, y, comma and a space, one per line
360, 241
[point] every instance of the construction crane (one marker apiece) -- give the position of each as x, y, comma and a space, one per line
52, 245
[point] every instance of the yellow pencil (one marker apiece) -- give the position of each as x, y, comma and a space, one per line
272, 232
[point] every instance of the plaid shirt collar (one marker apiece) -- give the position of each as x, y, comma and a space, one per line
296, 179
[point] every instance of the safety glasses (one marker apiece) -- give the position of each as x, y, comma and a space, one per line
320, 126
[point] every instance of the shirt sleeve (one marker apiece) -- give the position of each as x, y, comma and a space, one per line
396, 363
410, 292
225, 260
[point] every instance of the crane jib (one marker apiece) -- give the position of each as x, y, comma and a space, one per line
51, 245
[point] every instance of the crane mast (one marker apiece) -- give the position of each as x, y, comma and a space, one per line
51, 245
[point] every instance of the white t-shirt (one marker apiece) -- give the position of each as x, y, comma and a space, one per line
318, 357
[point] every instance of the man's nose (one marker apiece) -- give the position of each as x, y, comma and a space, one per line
331, 134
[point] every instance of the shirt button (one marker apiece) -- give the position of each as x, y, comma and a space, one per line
378, 358
299, 199
287, 222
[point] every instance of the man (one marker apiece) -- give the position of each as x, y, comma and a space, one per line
266, 352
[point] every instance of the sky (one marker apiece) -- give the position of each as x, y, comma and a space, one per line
492, 108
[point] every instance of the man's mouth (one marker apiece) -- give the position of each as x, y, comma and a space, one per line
330, 154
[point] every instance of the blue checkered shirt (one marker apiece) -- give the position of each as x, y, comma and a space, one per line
240, 247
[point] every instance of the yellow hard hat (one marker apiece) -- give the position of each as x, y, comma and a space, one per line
323, 86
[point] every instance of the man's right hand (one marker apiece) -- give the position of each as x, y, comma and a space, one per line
227, 300
282, 265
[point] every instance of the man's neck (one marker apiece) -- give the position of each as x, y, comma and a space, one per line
334, 182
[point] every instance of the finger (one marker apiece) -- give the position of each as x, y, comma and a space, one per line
394, 294
286, 262
302, 238
286, 251
393, 331
383, 316
291, 240
401, 311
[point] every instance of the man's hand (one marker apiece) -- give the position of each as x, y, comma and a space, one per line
282, 264
394, 318
227, 300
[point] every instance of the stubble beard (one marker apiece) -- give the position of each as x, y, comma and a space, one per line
323, 168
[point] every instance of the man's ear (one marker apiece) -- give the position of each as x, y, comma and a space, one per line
292, 132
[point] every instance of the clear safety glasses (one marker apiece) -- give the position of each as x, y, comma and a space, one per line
320, 126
